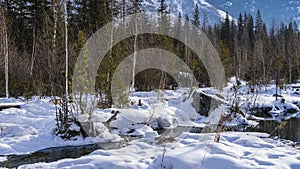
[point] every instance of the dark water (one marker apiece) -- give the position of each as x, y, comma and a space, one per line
57, 153
288, 129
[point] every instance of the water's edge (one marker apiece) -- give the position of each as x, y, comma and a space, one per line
57, 153
290, 131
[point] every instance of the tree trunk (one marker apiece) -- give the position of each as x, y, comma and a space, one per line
52, 60
55, 23
290, 70
187, 57
134, 54
33, 52
66, 49
5, 50
6, 62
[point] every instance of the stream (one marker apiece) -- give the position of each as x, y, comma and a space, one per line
289, 129
57, 153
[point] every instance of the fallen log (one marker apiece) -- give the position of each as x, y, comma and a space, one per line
7, 106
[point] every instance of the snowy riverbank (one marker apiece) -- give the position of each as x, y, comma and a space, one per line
32, 128
235, 150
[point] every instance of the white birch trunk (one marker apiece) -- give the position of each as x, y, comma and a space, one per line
110, 51
134, 54
55, 23
52, 64
33, 52
187, 57
6, 62
5, 51
111, 45
66, 50
261, 51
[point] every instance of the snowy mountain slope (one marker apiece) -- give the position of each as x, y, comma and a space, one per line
282, 11
186, 7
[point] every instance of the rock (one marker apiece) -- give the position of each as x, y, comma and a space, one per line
261, 111
297, 103
164, 122
204, 103
290, 111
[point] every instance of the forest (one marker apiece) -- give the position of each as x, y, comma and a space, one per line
36, 33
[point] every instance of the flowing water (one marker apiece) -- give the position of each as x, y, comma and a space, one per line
57, 153
287, 129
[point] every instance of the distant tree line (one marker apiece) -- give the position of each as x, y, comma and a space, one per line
36, 46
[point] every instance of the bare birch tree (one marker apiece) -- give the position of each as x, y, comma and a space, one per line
5, 48
54, 39
66, 49
136, 9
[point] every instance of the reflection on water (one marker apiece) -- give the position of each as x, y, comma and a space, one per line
289, 129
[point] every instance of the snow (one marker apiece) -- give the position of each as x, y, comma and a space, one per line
235, 150
32, 127
10, 102
263, 96
187, 7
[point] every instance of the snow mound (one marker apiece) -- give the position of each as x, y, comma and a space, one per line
235, 150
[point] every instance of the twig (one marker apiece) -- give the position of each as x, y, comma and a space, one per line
151, 113
279, 127
1, 131
220, 129
163, 156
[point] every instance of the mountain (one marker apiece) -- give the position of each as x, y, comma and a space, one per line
186, 7
281, 10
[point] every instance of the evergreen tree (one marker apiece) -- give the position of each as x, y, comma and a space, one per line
258, 22
135, 6
225, 30
250, 28
196, 20
240, 27
205, 23
163, 8
36, 35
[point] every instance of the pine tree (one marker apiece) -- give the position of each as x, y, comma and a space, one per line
240, 27
135, 6
225, 30
250, 28
258, 22
81, 9
196, 20
205, 22
163, 8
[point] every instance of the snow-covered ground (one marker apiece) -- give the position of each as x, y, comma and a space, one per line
235, 150
32, 128
286, 106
